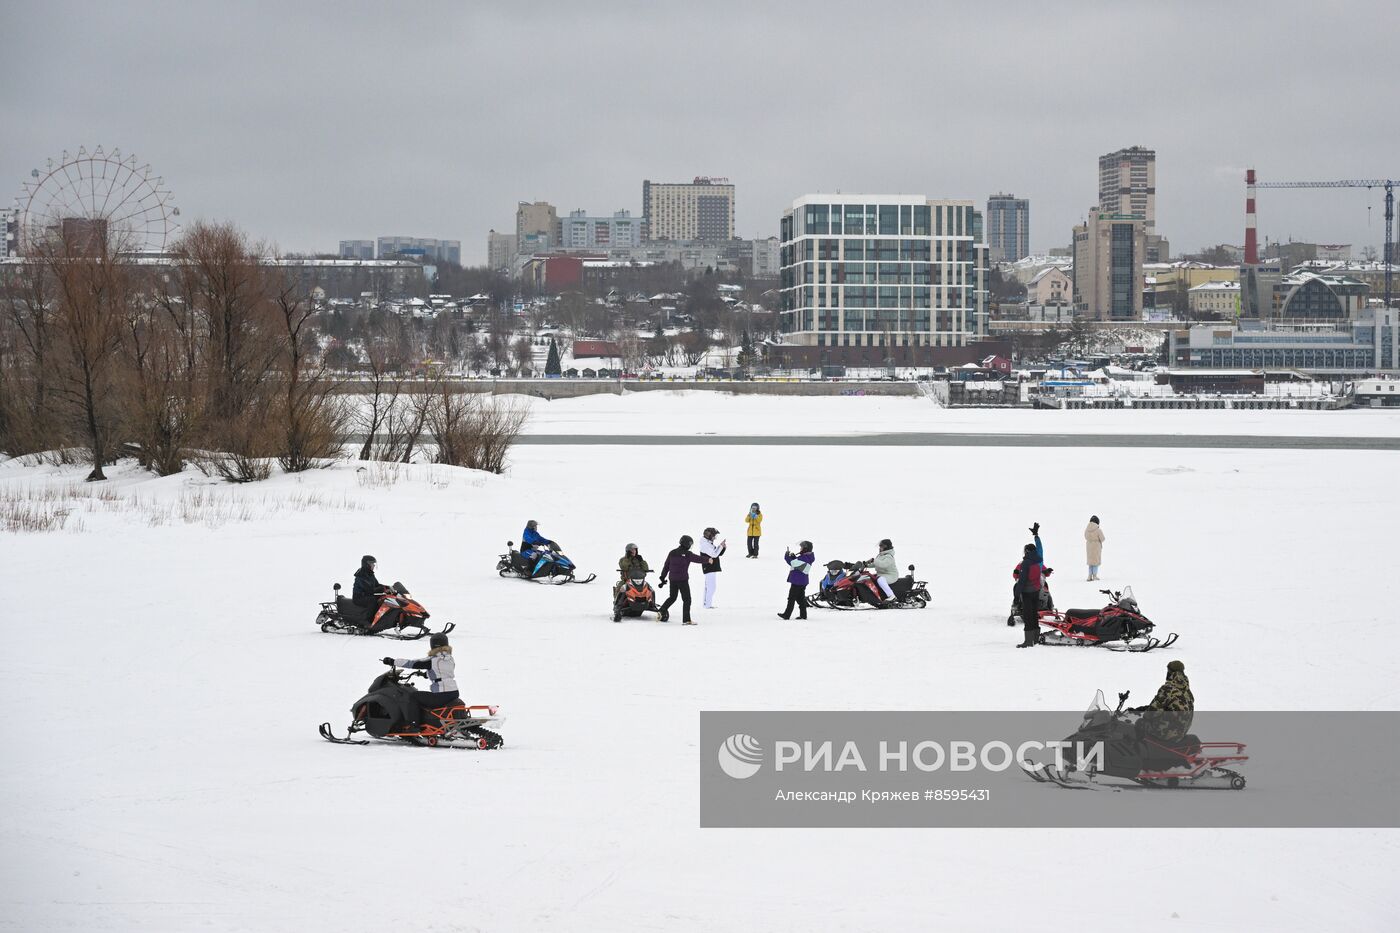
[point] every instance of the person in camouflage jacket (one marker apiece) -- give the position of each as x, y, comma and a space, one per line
1169, 716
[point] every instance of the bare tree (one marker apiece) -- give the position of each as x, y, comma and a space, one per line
27, 418
93, 293
312, 420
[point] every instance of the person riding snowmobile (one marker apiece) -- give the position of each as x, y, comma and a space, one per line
886, 568
1030, 574
442, 675
835, 573
369, 593
630, 564
1168, 717
531, 539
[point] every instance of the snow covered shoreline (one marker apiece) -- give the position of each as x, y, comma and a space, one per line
192, 792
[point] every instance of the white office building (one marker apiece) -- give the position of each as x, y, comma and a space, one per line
882, 271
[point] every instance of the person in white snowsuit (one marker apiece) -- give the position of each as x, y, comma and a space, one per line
887, 567
442, 674
711, 550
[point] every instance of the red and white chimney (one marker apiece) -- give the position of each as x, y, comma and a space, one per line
1251, 240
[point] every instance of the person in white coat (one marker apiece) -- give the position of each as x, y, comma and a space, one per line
711, 550
887, 567
1093, 546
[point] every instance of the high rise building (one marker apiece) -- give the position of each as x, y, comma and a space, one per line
1008, 228
1108, 257
501, 249
356, 249
1128, 184
700, 210
579, 231
9, 232
882, 271
537, 223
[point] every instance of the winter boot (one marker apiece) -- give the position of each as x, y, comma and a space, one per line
663, 616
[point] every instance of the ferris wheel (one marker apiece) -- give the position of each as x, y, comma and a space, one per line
97, 193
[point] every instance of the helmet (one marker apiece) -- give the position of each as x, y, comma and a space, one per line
630, 547
367, 560
886, 544
1030, 550
834, 565
687, 541
532, 524
711, 532
805, 545
438, 640
755, 507
1175, 667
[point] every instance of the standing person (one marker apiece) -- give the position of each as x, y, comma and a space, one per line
799, 563
1093, 546
677, 567
886, 567
1030, 575
712, 551
754, 522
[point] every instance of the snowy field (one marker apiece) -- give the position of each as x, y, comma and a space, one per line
173, 779
657, 412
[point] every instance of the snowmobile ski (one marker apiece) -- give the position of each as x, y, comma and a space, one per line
329, 735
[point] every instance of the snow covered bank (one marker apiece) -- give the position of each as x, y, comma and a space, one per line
174, 780
719, 413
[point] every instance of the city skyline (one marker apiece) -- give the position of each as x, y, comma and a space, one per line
204, 94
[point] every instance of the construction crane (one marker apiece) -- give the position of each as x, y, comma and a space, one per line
1251, 247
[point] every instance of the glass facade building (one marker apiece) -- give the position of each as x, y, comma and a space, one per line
882, 271
1008, 228
1366, 345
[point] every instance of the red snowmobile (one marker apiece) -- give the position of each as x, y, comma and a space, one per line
635, 598
1133, 754
410, 622
1119, 626
852, 585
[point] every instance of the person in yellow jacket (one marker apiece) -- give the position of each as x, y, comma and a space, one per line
754, 521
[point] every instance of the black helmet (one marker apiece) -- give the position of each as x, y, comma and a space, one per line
686, 541
886, 544
1030, 550
438, 640
805, 545
835, 565
755, 507
711, 532
367, 560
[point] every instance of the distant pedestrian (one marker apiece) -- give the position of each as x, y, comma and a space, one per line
1030, 576
1093, 546
799, 563
677, 567
754, 521
711, 550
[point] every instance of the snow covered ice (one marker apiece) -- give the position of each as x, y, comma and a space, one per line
163, 771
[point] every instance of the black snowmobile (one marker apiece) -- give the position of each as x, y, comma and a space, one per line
546, 565
1132, 753
408, 623
390, 713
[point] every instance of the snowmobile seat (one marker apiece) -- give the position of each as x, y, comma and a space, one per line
349, 612
1081, 613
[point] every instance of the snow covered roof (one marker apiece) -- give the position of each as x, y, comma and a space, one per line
1216, 287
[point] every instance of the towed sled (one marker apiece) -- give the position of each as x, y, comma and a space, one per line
1133, 754
1118, 626
545, 565
634, 598
389, 712
408, 622
859, 590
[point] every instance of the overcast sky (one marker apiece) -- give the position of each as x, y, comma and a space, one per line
308, 123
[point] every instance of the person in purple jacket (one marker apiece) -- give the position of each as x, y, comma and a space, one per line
799, 563
677, 567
